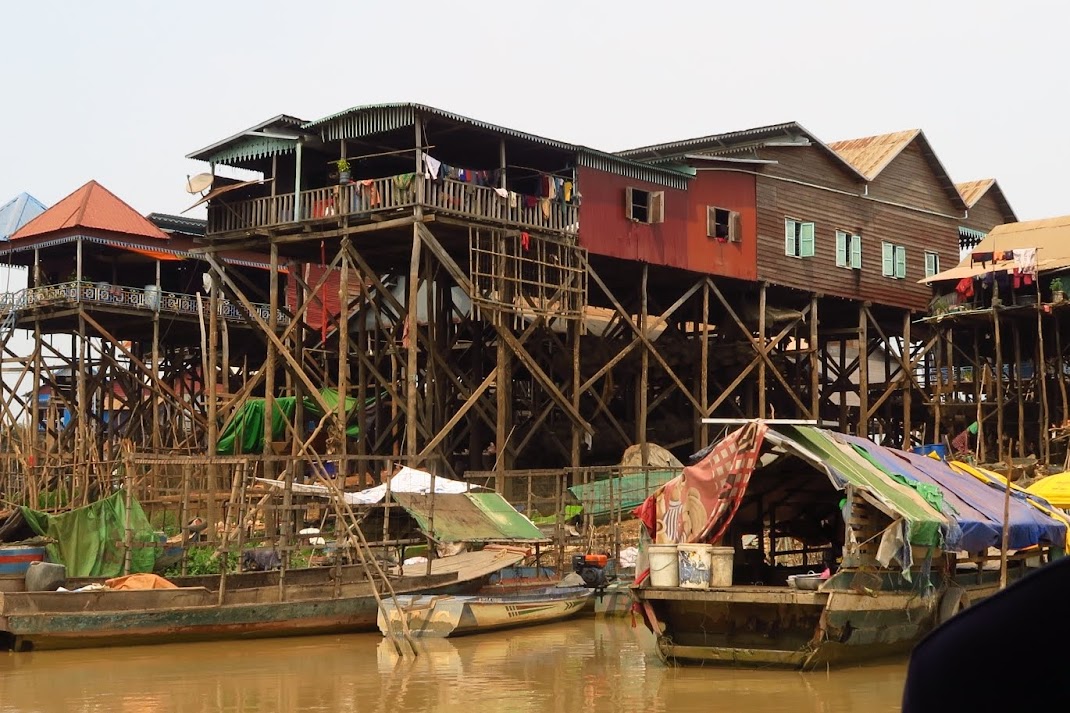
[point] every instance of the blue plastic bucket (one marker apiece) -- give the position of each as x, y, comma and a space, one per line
938, 448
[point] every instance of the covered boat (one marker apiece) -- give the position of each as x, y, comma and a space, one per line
900, 542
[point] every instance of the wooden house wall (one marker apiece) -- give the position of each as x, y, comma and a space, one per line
909, 179
810, 164
985, 214
875, 221
605, 228
731, 190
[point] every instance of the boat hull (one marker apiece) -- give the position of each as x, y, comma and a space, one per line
783, 628
446, 616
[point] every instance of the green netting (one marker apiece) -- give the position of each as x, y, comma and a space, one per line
89, 541
245, 432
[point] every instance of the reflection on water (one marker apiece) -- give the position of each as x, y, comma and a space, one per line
586, 665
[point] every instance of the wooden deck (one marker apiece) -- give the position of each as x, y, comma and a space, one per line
365, 199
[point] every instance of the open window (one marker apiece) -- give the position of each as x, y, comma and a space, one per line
848, 250
723, 224
644, 206
894, 261
798, 238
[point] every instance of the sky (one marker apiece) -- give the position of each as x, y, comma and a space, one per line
121, 91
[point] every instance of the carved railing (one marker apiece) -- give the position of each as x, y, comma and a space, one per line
147, 298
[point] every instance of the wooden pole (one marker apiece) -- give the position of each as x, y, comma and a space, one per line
644, 376
908, 383
1001, 454
978, 394
862, 428
576, 330
761, 344
815, 375
1018, 387
1006, 524
157, 442
210, 382
1042, 381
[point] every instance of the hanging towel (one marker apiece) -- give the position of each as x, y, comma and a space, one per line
965, 287
502, 192
1025, 260
512, 199
568, 191
981, 257
545, 205
432, 166
369, 189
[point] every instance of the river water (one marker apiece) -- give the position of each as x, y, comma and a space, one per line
586, 665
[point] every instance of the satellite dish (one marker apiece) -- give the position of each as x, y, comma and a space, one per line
199, 183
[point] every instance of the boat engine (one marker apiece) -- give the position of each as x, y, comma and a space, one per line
592, 570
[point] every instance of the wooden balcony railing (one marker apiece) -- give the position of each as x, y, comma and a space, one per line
465, 200
148, 299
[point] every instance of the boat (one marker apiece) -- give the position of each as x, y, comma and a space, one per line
899, 543
316, 600
447, 616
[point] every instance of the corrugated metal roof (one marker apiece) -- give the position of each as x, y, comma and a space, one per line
624, 493
179, 224
242, 146
974, 191
468, 517
1050, 237
870, 154
91, 207
370, 119
17, 212
732, 142
971, 191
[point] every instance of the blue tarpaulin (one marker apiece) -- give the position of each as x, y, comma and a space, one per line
978, 508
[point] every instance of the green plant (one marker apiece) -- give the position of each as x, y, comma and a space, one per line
201, 560
343, 165
1056, 284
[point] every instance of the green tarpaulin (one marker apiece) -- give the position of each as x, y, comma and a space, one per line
624, 493
924, 521
245, 432
478, 516
89, 541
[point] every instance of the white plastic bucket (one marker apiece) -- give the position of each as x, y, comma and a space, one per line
721, 560
663, 569
693, 559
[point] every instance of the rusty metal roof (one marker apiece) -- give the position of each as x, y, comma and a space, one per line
91, 207
974, 191
871, 154
971, 191
732, 141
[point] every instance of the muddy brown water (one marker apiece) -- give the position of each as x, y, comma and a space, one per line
582, 666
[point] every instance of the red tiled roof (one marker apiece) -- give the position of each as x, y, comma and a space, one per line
91, 207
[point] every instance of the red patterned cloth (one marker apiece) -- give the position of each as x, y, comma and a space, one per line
699, 504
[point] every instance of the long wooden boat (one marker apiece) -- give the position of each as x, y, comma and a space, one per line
917, 538
445, 616
246, 605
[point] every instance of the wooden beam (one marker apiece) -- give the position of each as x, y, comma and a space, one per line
503, 332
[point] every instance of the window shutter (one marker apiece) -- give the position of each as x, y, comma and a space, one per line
711, 222
932, 264
656, 211
735, 227
887, 259
856, 252
628, 203
806, 240
789, 238
841, 249
900, 262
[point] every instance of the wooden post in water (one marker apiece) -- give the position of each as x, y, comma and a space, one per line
1006, 526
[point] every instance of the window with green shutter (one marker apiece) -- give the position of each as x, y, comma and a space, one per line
932, 263
887, 259
798, 238
900, 262
848, 250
